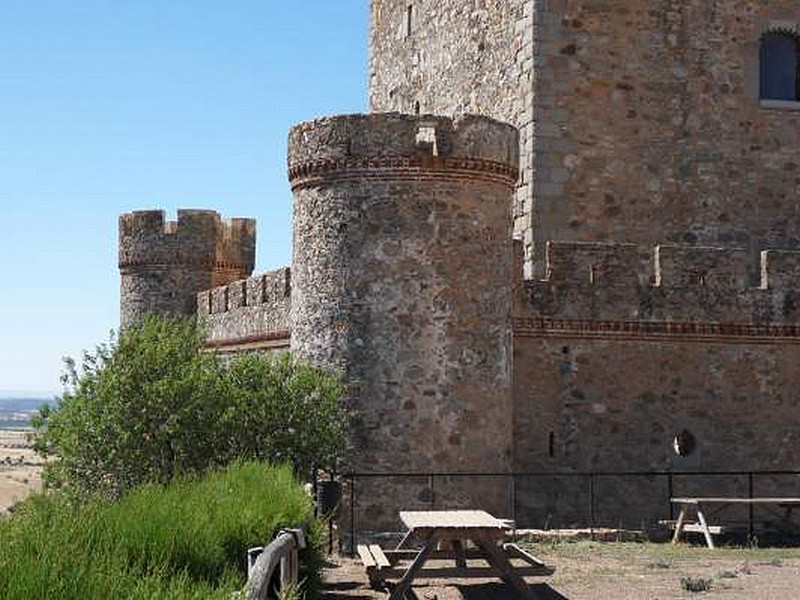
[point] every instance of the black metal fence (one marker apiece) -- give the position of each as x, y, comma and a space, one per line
538, 500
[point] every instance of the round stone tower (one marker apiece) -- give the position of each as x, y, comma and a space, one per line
164, 264
401, 278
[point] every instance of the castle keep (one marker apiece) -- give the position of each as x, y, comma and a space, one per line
616, 274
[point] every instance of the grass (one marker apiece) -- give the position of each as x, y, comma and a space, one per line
661, 555
185, 540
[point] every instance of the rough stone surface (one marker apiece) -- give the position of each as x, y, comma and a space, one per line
423, 333
249, 314
613, 358
640, 122
459, 57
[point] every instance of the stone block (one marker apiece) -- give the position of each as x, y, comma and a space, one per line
701, 267
592, 264
780, 270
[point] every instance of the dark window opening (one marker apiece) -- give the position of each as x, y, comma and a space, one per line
409, 19
416, 108
779, 67
551, 444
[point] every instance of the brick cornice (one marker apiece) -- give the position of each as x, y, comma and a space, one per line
654, 331
184, 262
270, 339
418, 168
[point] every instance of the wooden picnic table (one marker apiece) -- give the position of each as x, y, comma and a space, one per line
445, 535
696, 505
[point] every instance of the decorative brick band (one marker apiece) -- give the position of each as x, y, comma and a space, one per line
185, 262
272, 339
654, 331
418, 168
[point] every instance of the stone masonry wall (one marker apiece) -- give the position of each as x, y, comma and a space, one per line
650, 129
401, 279
640, 122
612, 361
249, 314
164, 264
453, 57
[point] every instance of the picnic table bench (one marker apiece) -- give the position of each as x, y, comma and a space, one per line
446, 536
698, 507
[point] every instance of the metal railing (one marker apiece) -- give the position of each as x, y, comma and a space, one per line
590, 500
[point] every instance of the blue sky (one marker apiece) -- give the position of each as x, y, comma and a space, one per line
117, 105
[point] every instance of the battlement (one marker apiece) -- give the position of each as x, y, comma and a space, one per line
248, 311
267, 288
199, 238
402, 144
610, 281
164, 264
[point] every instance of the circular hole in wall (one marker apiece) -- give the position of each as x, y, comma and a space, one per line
684, 443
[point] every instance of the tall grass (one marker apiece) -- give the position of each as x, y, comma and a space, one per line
184, 540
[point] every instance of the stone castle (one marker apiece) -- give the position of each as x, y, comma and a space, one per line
599, 273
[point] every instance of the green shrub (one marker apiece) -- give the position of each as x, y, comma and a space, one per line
696, 584
285, 411
184, 540
154, 404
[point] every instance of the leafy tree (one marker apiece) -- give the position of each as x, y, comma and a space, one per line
152, 404
285, 411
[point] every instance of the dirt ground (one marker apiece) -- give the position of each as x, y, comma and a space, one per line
20, 468
614, 571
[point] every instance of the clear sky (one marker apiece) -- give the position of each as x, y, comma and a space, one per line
108, 106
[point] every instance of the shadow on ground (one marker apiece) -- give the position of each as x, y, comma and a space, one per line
346, 591
485, 591
346, 579
499, 591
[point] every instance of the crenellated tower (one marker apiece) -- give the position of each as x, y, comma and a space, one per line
401, 278
164, 264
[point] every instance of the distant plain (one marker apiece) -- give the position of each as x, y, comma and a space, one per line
20, 466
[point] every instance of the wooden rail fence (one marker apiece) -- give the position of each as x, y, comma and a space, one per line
283, 551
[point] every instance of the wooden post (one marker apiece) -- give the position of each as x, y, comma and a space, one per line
679, 525
704, 525
283, 551
290, 569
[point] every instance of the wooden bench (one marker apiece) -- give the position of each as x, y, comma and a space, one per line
699, 506
694, 527
374, 560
